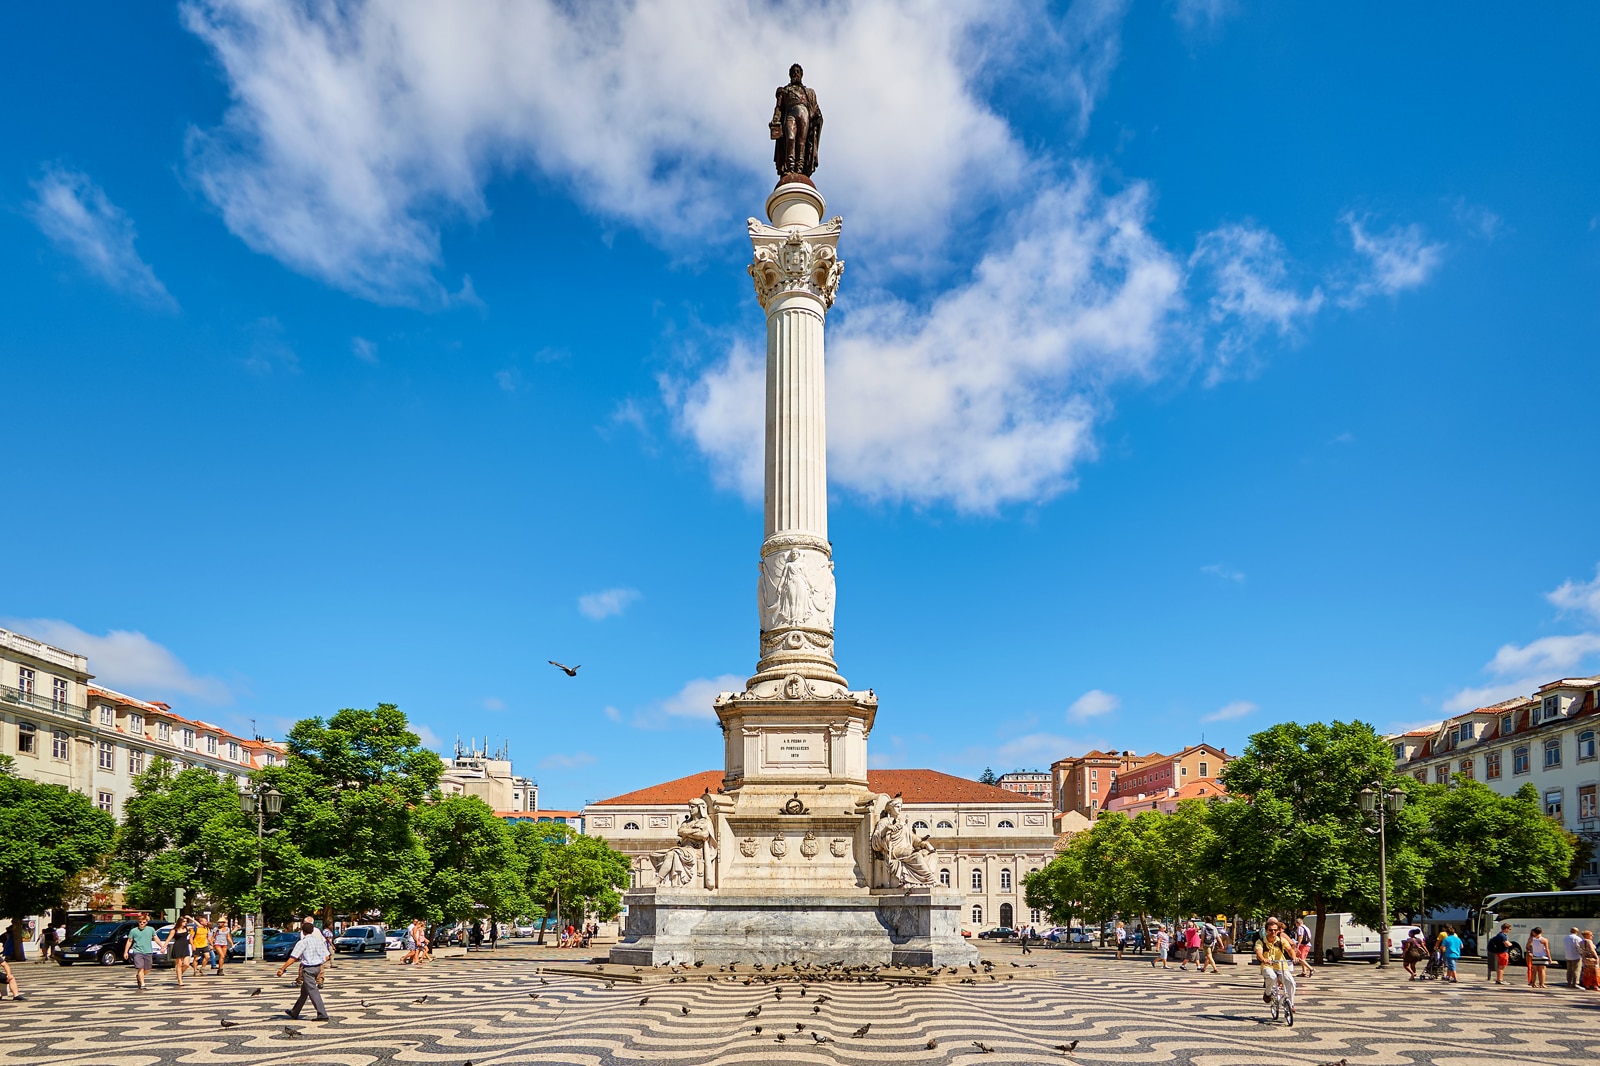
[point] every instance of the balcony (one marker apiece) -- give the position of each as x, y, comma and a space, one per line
34, 701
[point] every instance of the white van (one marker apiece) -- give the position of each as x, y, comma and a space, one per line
1343, 938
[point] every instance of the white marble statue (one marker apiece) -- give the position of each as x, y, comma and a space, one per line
899, 845
696, 851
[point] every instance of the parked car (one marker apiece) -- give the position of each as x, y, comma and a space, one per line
524, 929
998, 933
360, 939
102, 942
276, 948
394, 939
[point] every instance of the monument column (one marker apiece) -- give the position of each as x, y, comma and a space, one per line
796, 272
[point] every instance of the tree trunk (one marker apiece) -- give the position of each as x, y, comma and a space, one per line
1322, 922
555, 898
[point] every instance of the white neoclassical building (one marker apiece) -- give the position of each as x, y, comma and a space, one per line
987, 838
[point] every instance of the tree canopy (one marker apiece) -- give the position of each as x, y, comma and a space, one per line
48, 835
1479, 842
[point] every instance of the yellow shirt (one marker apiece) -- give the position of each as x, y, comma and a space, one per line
199, 938
1276, 951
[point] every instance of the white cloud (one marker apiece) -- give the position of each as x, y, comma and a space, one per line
1582, 597
1247, 270
1195, 15
429, 738
1229, 712
1399, 258
988, 396
566, 762
357, 130
77, 216
604, 604
1545, 656
1226, 573
1469, 699
693, 700
508, 380
127, 661
1036, 749
1092, 704
612, 713
364, 350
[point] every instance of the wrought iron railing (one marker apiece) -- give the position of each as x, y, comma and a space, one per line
36, 701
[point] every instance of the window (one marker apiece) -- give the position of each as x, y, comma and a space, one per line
1519, 760
1466, 769
272, 758
1399, 752
1006, 823
922, 826
58, 692
108, 716
24, 681
977, 880
135, 761
944, 878
164, 731
136, 724
233, 751
1005, 880
27, 739
58, 744
1183, 771
1586, 801
1586, 745
104, 802
1491, 765
1033, 917
1203, 768
108, 755
1507, 724
1094, 775
977, 914
188, 738
946, 825
1466, 731
1552, 804
1094, 786
211, 745
1441, 774
630, 825
1552, 753
1552, 707
1421, 776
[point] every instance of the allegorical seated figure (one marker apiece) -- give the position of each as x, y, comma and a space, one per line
679, 866
905, 851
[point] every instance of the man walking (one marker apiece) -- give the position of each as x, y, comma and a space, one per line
1122, 939
312, 954
1571, 946
141, 948
1302, 946
1499, 953
1208, 944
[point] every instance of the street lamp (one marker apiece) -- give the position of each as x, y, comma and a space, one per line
1374, 800
261, 802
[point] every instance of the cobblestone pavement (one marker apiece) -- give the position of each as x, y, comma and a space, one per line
488, 1010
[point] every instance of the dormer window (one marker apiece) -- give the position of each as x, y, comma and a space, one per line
1507, 724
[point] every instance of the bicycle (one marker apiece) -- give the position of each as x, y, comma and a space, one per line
1282, 1005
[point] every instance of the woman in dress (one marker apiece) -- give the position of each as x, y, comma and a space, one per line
177, 945
1589, 963
1538, 952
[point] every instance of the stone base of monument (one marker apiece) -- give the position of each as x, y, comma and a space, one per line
895, 927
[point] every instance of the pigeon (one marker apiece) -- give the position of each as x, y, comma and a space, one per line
424, 999
862, 1031
981, 1046
544, 980
799, 1028
817, 1009
699, 964
290, 1032
753, 1012
570, 671
819, 1038
758, 1030
931, 1044
611, 984
685, 1009
225, 1023
1340, 1062
254, 992
643, 1000
1067, 1047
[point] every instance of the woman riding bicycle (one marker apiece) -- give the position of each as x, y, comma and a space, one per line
1276, 954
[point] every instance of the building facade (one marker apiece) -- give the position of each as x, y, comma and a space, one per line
1083, 783
1035, 783
987, 838
473, 771
1547, 740
1159, 781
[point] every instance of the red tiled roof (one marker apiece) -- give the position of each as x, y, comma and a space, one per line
914, 786
1200, 790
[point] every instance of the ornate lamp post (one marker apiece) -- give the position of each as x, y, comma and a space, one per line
1375, 801
260, 802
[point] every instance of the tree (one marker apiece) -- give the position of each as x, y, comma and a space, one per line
48, 835
1479, 842
1308, 837
474, 861
178, 828
987, 778
566, 873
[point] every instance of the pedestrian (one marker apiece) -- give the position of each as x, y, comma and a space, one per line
1122, 939
1163, 945
1191, 946
1589, 962
200, 943
1208, 944
1537, 950
1500, 953
1452, 953
1302, 945
5, 962
1570, 948
221, 943
141, 948
47, 944
313, 954
176, 944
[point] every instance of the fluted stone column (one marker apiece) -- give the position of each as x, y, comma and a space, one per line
796, 271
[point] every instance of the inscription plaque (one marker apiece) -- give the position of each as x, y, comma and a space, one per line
794, 749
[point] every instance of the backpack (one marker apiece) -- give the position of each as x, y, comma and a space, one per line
1208, 934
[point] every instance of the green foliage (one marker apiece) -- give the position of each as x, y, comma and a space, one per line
473, 861
1478, 842
571, 872
987, 778
180, 830
48, 835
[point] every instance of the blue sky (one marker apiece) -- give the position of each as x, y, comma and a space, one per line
1197, 365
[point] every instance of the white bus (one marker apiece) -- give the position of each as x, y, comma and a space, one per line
1554, 912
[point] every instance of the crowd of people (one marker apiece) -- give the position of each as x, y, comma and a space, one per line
1195, 941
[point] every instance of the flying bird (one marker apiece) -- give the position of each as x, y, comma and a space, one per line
570, 671
863, 1030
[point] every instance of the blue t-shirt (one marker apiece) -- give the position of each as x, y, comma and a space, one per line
1452, 947
143, 939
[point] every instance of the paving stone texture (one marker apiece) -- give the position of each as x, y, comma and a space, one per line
490, 1010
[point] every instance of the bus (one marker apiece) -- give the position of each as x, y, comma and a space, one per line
1554, 912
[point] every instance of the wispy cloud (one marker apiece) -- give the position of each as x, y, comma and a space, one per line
574, 761
607, 602
1093, 704
429, 738
1521, 668
1397, 259
509, 379
1247, 270
1229, 712
1226, 573
269, 351
128, 661
1036, 749
1194, 15
1579, 597
693, 702
81, 220
364, 350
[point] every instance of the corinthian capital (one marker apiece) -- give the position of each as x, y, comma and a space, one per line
796, 260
